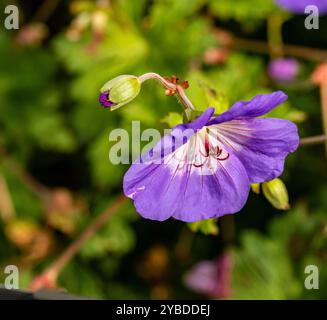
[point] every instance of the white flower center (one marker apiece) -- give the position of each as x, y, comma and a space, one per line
203, 154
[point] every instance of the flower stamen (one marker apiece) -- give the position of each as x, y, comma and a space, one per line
208, 153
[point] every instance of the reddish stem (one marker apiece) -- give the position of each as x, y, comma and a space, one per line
48, 278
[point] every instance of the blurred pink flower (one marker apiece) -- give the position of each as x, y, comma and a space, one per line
212, 278
32, 34
283, 69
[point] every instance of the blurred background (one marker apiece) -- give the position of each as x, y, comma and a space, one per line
55, 176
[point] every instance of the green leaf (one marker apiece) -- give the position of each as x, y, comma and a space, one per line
205, 92
173, 119
115, 237
104, 172
243, 10
50, 133
262, 270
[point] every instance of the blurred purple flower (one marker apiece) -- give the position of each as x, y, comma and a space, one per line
298, 6
212, 278
204, 169
283, 69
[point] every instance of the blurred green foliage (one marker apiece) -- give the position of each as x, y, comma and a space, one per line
52, 126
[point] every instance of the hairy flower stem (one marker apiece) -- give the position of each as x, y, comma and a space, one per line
174, 88
48, 278
151, 75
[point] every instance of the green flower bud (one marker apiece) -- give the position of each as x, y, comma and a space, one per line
255, 187
276, 193
208, 226
119, 91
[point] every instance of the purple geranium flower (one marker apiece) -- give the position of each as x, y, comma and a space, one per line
283, 69
209, 174
298, 6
